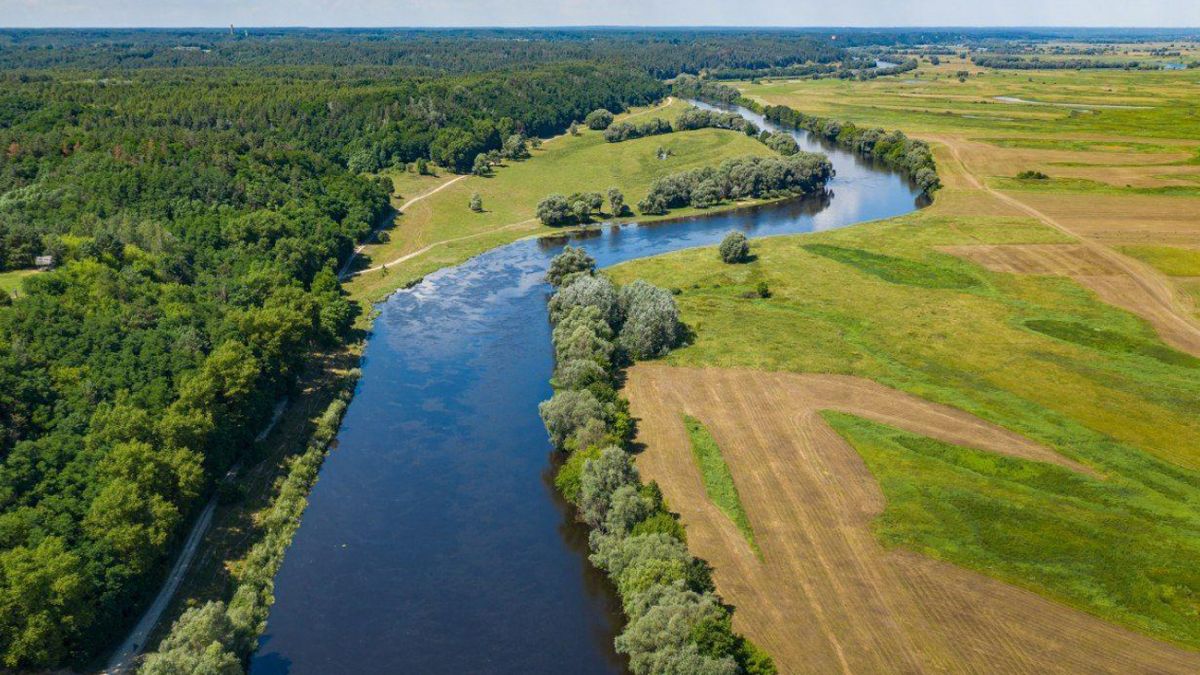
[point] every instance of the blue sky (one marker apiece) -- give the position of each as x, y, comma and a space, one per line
1164, 13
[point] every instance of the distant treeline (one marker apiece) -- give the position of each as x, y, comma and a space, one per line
659, 52
790, 72
1010, 62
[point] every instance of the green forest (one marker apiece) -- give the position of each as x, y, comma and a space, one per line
196, 217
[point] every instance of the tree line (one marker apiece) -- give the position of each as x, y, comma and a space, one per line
748, 177
675, 623
893, 148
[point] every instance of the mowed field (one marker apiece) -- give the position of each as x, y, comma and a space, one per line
1120, 149
438, 229
826, 595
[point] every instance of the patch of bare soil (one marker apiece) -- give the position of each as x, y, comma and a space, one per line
826, 596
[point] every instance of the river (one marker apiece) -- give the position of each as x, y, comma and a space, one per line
434, 541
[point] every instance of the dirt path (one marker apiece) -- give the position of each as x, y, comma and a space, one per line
345, 273
1133, 286
826, 597
125, 657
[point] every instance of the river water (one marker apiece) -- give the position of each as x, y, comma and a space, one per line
434, 541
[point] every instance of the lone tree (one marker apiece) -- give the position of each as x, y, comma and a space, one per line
734, 248
598, 119
476, 203
616, 202
574, 128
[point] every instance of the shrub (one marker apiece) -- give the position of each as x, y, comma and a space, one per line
739, 178
1032, 175
598, 119
198, 643
616, 202
660, 640
601, 477
568, 411
571, 261
587, 291
651, 325
623, 131
698, 118
578, 374
555, 210
569, 478
734, 248
627, 507
782, 142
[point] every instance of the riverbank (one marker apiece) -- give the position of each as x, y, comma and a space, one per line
442, 437
1001, 301
439, 230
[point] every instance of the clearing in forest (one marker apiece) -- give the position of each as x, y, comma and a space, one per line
826, 595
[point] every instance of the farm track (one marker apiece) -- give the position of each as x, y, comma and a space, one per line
1127, 283
826, 596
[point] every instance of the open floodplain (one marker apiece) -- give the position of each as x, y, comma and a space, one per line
1013, 485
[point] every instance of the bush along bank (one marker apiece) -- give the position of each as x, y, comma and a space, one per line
893, 148
218, 638
675, 623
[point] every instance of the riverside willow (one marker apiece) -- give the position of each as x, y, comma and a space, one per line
740, 178
675, 621
893, 148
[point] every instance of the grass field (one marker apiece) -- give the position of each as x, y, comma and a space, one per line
444, 231
718, 482
1123, 160
1043, 311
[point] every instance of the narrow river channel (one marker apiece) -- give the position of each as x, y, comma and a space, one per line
434, 541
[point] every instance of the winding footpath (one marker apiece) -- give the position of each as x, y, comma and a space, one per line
347, 274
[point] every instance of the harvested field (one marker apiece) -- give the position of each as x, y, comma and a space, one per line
1051, 259
1097, 272
826, 596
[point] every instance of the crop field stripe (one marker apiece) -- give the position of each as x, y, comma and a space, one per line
718, 482
826, 596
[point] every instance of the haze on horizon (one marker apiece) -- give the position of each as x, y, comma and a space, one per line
505, 13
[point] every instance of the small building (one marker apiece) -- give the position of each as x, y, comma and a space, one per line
44, 262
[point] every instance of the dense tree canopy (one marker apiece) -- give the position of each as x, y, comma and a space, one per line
197, 218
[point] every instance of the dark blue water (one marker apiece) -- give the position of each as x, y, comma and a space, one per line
434, 541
